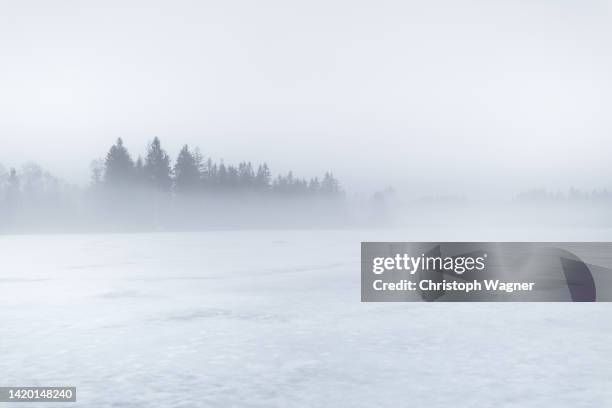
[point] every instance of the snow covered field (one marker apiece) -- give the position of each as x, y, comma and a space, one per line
274, 319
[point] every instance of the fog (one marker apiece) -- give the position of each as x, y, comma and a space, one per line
184, 187
443, 97
142, 198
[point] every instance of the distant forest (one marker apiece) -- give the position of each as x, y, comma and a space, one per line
192, 173
194, 192
152, 191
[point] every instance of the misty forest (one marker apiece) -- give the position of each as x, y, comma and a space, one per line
153, 192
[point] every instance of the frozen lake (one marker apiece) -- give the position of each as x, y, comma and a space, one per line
274, 319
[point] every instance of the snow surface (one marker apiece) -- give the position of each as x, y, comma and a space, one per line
274, 319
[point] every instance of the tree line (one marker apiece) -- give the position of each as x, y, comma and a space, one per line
154, 192
31, 184
192, 173
573, 194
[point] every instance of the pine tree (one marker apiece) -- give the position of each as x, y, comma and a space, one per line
314, 186
186, 172
301, 186
139, 173
246, 175
232, 177
221, 176
14, 183
209, 175
279, 183
97, 171
263, 177
118, 166
329, 185
157, 167
283, 184
198, 157
12, 196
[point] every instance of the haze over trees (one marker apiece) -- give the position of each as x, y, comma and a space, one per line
153, 191
192, 174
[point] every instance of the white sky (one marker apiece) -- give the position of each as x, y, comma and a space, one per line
428, 96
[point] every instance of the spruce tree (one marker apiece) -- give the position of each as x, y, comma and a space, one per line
97, 171
221, 176
157, 167
246, 175
139, 173
186, 172
329, 185
198, 157
209, 174
118, 166
314, 186
263, 177
232, 177
14, 183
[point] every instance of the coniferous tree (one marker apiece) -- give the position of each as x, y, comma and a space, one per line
193, 173
3, 181
139, 172
221, 177
209, 175
12, 196
14, 184
314, 186
198, 157
280, 184
186, 172
97, 172
263, 177
301, 186
157, 167
118, 166
232, 177
329, 185
38, 185
246, 175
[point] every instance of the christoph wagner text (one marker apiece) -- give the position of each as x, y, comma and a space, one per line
467, 287
413, 264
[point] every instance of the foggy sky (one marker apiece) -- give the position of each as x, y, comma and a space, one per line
428, 96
